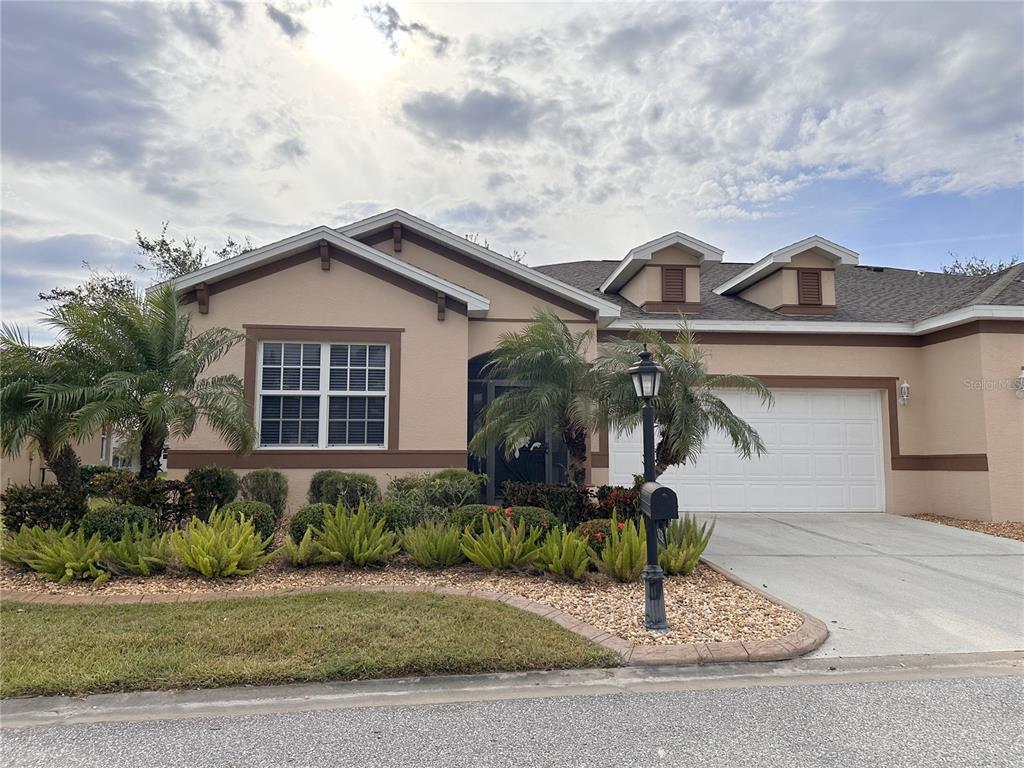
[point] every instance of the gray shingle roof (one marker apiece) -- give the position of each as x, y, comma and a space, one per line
863, 294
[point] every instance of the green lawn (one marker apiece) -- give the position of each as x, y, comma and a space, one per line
340, 636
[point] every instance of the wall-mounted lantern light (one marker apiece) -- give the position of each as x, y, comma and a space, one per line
903, 393
1020, 384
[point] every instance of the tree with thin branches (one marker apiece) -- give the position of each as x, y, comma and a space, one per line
688, 406
142, 367
557, 391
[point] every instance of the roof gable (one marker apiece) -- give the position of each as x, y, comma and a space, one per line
634, 261
776, 260
476, 303
606, 310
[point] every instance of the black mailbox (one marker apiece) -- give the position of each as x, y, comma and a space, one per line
658, 502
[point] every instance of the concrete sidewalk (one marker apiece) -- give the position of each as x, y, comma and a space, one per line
883, 585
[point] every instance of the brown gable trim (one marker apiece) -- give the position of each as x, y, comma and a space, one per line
670, 306
390, 336
525, 320
485, 269
806, 309
317, 459
356, 262
954, 462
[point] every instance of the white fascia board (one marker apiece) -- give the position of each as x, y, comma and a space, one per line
775, 260
946, 320
475, 302
634, 260
606, 310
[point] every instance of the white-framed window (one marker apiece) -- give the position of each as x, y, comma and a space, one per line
322, 394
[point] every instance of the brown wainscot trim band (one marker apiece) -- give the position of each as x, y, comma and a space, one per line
390, 336
316, 459
950, 462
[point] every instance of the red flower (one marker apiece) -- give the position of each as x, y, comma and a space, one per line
621, 526
600, 536
508, 511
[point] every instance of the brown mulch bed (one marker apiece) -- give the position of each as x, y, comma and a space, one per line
702, 607
1007, 530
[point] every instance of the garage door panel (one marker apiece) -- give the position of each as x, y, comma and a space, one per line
824, 454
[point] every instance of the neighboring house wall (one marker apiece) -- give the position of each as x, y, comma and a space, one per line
27, 467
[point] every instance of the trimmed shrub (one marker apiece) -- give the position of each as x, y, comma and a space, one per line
138, 552
571, 505
624, 554
329, 486
309, 516
433, 545
262, 516
472, 515
354, 538
595, 532
268, 486
222, 546
684, 542
110, 522
58, 554
212, 487
564, 554
89, 471
171, 500
303, 553
501, 544
399, 514
45, 506
440, 493
623, 502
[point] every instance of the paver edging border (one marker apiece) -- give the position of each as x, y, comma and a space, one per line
808, 636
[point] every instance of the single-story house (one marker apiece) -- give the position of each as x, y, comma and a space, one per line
896, 390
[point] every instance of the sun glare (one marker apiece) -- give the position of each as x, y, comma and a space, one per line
346, 40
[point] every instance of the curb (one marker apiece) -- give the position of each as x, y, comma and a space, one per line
808, 636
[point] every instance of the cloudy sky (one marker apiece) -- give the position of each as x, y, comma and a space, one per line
566, 131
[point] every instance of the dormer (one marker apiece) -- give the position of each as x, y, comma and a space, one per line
799, 279
664, 274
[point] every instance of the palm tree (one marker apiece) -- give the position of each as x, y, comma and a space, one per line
558, 391
26, 421
143, 363
687, 408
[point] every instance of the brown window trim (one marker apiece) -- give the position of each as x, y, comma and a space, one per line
667, 295
390, 336
950, 462
801, 274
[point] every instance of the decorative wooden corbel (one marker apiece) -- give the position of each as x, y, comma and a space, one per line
325, 256
441, 301
396, 233
203, 298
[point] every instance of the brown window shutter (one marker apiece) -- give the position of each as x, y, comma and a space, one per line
809, 287
673, 283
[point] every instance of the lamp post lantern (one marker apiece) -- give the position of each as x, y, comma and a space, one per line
658, 503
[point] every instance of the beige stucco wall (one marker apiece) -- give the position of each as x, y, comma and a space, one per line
434, 353
644, 286
24, 469
507, 301
1002, 356
775, 290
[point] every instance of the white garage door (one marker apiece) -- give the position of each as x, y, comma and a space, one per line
824, 455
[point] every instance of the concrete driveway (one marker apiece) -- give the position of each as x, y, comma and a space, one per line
884, 585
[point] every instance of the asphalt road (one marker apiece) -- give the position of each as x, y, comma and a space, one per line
955, 722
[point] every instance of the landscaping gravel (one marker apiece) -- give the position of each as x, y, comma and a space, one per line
702, 607
1008, 530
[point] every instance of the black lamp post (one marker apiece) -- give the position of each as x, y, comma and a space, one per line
646, 375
